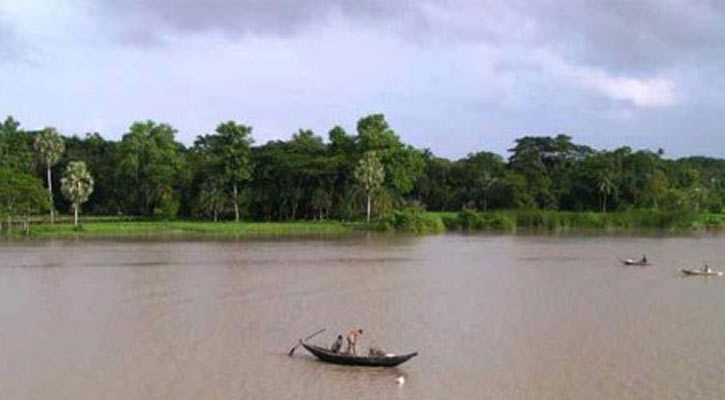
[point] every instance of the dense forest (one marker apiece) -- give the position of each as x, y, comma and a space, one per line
224, 175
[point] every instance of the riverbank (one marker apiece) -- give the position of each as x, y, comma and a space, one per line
188, 228
404, 221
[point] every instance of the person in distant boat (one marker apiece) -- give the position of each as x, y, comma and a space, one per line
337, 345
644, 259
706, 269
352, 340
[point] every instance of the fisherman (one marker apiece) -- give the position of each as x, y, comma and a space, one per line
706, 268
337, 345
352, 340
644, 259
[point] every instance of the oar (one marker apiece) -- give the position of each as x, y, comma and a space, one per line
292, 350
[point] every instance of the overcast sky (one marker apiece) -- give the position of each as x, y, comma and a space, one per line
453, 76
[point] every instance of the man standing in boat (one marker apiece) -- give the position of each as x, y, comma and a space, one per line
352, 340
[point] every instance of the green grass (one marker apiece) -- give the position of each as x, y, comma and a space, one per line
408, 221
188, 228
710, 221
555, 221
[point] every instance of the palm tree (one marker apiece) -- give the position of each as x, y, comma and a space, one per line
76, 185
50, 147
605, 188
370, 174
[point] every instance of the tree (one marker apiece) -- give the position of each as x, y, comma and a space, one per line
20, 194
604, 185
476, 176
77, 186
228, 154
656, 189
212, 200
49, 146
433, 187
150, 165
370, 174
403, 164
101, 156
15, 147
545, 162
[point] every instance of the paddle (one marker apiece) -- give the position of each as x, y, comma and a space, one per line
292, 350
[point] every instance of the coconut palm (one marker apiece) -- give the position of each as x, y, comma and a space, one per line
370, 174
76, 185
605, 188
49, 146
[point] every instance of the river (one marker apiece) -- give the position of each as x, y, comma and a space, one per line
493, 317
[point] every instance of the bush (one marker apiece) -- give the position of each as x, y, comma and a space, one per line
413, 220
474, 221
450, 221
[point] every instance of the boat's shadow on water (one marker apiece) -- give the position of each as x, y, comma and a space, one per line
369, 373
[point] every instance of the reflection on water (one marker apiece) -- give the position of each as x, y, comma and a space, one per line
498, 317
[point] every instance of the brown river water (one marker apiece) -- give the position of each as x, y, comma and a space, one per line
493, 317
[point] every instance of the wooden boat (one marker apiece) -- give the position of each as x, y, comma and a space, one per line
701, 272
348, 359
629, 261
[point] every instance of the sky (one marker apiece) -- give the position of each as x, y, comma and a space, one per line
455, 76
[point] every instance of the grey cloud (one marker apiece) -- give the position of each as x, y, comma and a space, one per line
621, 35
634, 35
148, 20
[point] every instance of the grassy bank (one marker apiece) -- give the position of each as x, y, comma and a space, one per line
188, 228
543, 220
405, 221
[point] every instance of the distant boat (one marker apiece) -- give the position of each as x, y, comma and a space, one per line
701, 272
629, 261
348, 359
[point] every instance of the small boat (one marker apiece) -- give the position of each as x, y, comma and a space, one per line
389, 360
629, 261
701, 272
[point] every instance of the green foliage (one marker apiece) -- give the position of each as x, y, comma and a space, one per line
77, 183
475, 221
450, 220
370, 175
415, 220
225, 161
20, 195
631, 219
369, 172
100, 156
403, 167
548, 182
403, 164
374, 134
191, 229
15, 147
49, 146
149, 168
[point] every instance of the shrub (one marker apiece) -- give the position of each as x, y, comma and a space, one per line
413, 220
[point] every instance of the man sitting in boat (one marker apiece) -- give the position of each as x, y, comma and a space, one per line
706, 269
337, 345
352, 340
644, 259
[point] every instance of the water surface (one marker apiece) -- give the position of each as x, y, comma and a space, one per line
493, 317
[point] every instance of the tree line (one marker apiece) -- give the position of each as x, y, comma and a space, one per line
224, 175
